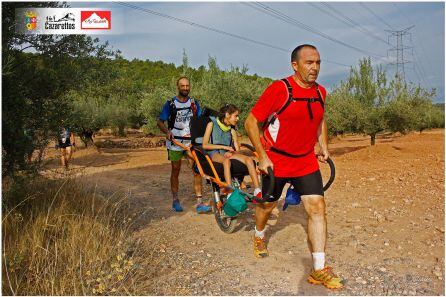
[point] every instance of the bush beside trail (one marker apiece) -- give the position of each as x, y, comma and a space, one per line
60, 238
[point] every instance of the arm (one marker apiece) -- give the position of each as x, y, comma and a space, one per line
72, 139
207, 137
322, 136
235, 140
164, 116
252, 128
164, 129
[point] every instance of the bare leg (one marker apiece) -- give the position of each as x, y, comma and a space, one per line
317, 222
198, 186
69, 154
226, 166
174, 180
227, 171
251, 168
62, 157
263, 211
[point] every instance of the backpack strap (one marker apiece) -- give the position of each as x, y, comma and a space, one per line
290, 96
319, 95
291, 99
308, 100
193, 106
172, 113
274, 116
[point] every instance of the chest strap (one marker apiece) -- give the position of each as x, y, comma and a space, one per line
308, 100
276, 150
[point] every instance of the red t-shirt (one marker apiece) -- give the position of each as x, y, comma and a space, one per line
293, 131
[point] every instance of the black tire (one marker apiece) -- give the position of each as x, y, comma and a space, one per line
226, 224
332, 174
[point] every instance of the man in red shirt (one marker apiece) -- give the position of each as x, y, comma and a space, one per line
293, 110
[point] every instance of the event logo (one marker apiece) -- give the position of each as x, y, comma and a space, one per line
50, 20
31, 20
96, 20
66, 22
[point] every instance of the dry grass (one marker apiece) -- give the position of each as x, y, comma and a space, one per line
62, 239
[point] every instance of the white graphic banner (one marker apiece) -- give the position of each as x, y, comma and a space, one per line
67, 21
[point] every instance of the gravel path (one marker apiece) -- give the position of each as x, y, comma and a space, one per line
385, 215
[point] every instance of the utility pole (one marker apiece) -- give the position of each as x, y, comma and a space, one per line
399, 49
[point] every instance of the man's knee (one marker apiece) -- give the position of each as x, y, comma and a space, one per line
314, 205
176, 167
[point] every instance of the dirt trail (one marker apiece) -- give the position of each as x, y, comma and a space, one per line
385, 223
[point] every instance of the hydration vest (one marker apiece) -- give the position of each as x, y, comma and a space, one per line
64, 135
174, 110
173, 114
268, 143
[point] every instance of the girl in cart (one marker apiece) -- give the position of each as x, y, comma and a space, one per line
220, 142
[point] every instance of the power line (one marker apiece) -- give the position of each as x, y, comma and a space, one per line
277, 14
349, 22
213, 29
420, 76
201, 26
420, 70
377, 16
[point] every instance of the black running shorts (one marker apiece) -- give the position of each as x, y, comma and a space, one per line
65, 144
310, 184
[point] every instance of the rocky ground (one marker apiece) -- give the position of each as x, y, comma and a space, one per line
385, 214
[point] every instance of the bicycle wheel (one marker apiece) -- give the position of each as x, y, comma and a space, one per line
225, 223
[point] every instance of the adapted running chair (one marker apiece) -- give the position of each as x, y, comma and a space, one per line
213, 172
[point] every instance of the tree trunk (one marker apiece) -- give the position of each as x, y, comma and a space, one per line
121, 130
372, 139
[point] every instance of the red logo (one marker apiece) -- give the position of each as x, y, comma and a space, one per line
96, 20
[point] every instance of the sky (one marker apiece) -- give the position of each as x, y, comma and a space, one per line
343, 32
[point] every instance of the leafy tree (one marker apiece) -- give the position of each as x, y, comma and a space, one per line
34, 84
342, 111
367, 104
117, 114
369, 90
426, 115
218, 87
151, 107
88, 116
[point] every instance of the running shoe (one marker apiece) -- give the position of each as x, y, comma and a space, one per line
203, 208
326, 277
176, 206
260, 250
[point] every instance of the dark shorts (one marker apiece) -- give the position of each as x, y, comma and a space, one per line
64, 145
310, 184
